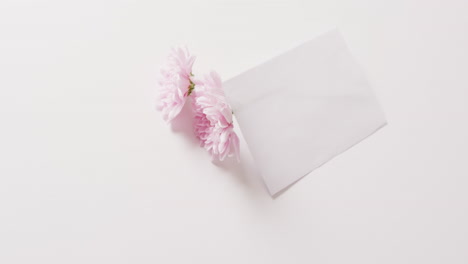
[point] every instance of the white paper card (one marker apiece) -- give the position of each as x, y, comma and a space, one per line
302, 108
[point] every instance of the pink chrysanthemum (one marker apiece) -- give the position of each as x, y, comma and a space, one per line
213, 118
174, 83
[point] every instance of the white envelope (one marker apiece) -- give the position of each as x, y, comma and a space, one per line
302, 108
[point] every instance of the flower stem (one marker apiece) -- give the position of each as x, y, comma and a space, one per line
190, 88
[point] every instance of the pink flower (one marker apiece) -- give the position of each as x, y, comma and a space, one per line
213, 118
174, 83
213, 124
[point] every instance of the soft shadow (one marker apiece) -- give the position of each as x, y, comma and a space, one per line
183, 124
245, 173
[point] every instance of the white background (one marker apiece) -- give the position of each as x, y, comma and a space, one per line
89, 173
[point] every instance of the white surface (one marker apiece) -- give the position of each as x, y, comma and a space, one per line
89, 173
318, 105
